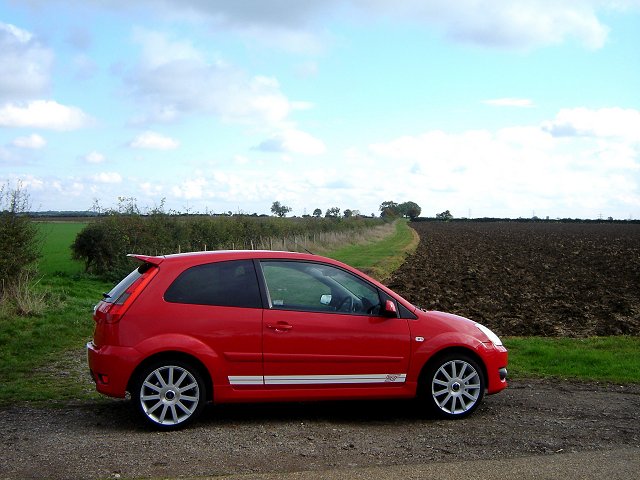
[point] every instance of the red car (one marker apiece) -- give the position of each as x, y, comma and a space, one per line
256, 326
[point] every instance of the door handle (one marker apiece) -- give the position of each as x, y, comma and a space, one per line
280, 326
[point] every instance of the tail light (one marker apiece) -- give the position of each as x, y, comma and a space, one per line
112, 310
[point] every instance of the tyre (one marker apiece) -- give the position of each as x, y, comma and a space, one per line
454, 386
169, 394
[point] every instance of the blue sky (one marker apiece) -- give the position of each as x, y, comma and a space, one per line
484, 108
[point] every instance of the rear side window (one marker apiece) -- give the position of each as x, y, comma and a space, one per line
226, 284
116, 294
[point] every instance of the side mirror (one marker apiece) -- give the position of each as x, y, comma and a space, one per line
390, 309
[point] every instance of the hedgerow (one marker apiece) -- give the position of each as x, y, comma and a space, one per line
103, 244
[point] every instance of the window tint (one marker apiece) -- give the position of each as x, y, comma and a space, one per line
230, 284
318, 287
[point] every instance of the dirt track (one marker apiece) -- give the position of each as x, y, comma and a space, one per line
104, 440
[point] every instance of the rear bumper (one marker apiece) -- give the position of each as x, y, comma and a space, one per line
111, 368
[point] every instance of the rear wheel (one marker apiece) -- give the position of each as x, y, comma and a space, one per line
170, 394
455, 386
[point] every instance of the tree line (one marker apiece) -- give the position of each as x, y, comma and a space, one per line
388, 209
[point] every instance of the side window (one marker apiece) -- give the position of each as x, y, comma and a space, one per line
317, 287
227, 284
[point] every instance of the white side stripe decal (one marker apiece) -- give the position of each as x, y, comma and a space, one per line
257, 380
318, 379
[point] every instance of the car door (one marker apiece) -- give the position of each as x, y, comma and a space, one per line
220, 305
324, 328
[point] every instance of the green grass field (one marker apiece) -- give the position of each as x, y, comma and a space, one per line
57, 238
42, 357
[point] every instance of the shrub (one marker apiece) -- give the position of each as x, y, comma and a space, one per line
19, 241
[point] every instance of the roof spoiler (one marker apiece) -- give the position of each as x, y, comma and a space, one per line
147, 258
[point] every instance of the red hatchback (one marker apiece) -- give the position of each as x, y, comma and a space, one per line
255, 326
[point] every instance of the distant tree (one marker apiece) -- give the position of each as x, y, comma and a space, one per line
332, 212
409, 209
347, 213
280, 210
446, 216
389, 209
317, 213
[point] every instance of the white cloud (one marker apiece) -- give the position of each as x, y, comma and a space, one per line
45, 114
191, 189
94, 157
297, 26
174, 79
151, 189
604, 122
30, 183
509, 102
33, 141
158, 50
107, 177
154, 141
293, 141
26, 64
515, 171
530, 24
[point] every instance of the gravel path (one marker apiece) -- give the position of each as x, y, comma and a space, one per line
104, 439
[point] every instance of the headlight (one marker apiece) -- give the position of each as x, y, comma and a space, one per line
490, 335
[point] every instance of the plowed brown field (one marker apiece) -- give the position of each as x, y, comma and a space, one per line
549, 279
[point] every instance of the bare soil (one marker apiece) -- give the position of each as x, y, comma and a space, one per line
105, 440
547, 279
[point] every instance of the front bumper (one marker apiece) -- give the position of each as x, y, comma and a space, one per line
496, 360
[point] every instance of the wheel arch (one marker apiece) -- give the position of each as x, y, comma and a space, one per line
422, 381
174, 355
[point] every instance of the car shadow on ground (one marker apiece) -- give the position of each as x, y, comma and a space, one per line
121, 415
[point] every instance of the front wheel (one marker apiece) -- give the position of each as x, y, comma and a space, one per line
455, 386
169, 394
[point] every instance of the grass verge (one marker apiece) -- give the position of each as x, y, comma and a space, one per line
42, 357
381, 256
605, 359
